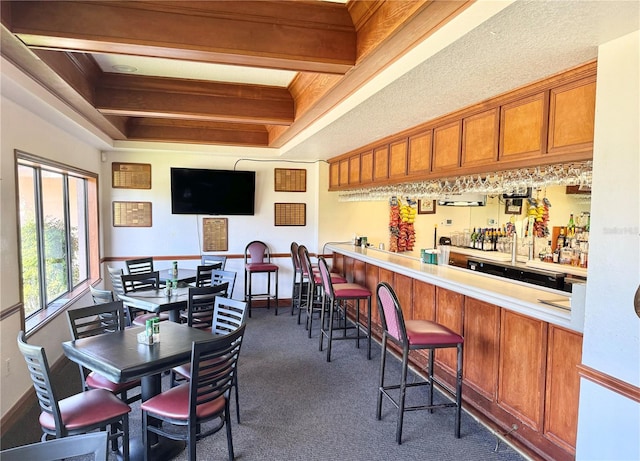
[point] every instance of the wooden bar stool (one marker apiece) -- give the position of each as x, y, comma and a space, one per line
412, 335
334, 297
257, 260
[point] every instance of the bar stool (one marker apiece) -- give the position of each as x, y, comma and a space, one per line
296, 285
335, 296
412, 335
257, 260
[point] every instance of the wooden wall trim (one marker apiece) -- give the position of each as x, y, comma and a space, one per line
613, 384
6, 313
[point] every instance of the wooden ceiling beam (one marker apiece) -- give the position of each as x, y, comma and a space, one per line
298, 36
196, 132
139, 96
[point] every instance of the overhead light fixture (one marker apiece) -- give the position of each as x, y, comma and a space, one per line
124, 68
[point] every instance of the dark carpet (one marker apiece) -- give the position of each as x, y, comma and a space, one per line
296, 406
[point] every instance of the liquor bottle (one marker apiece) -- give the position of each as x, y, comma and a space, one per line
571, 227
474, 236
561, 239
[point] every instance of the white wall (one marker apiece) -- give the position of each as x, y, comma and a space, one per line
25, 131
609, 424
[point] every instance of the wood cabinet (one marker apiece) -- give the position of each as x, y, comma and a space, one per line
334, 175
564, 354
572, 110
344, 172
522, 367
398, 159
446, 147
480, 138
458, 259
366, 167
481, 347
424, 301
354, 170
449, 307
419, 161
381, 163
522, 128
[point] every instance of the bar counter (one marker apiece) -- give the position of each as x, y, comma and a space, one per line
516, 296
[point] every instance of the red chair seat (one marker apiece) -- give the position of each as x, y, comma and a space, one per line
174, 404
350, 290
97, 381
86, 409
141, 320
425, 332
261, 267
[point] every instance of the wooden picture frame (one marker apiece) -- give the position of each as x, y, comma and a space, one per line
426, 206
513, 206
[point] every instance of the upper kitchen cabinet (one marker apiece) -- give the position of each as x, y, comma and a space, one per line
480, 138
420, 153
446, 147
381, 163
398, 159
334, 174
354, 170
366, 167
344, 172
522, 128
572, 110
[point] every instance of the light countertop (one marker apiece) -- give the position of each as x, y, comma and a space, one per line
517, 296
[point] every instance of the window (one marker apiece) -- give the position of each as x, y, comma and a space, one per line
58, 218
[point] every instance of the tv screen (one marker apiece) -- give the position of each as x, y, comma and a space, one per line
212, 192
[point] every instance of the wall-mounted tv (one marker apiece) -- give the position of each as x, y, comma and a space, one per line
212, 192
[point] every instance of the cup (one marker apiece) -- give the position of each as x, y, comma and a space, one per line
381, 246
443, 255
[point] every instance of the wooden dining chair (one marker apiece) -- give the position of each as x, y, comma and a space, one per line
78, 414
219, 276
139, 265
94, 320
200, 401
228, 316
200, 304
203, 274
94, 445
214, 259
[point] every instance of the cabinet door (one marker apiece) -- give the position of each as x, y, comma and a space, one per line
446, 147
563, 386
334, 174
420, 153
449, 307
522, 367
354, 170
424, 301
372, 279
403, 286
480, 138
522, 128
366, 167
344, 172
572, 110
481, 347
398, 159
381, 163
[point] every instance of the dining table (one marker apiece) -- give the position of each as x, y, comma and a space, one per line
157, 300
183, 276
119, 357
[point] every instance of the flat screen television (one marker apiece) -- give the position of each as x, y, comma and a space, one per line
212, 192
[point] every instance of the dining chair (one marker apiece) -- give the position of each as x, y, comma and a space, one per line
142, 281
257, 260
94, 444
139, 265
214, 259
200, 304
203, 274
78, 414
336, 297
219, 276
228, 316
85, 322
101, 296
412, 335
203, 399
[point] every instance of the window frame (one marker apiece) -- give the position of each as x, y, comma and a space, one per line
48, 311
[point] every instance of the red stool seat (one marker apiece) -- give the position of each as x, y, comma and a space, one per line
335, 278
421, 332
261, 267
